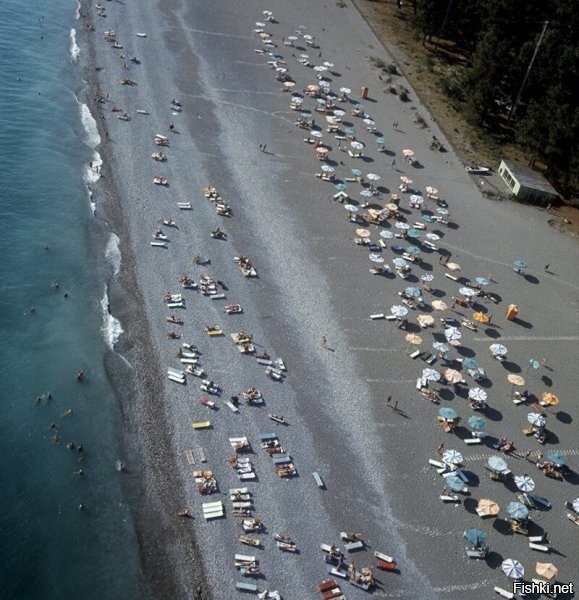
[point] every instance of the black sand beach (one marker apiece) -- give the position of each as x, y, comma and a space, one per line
313, 283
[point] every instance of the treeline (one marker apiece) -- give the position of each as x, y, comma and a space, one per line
496, 40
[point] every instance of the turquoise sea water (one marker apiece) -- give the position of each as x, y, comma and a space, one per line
50, 548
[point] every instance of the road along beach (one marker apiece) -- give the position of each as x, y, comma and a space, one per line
208, 93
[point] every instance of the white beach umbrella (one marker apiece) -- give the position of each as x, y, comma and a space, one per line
440, 346
536, 419
373, 177
513, 568
345, 90
498, 349
452, 457
430, 375
366, 193
327, 169
477, 394
408, 153
401, 225
452, 333
432, 236
351, 208
328, 64
316, 134
399, 311
415, 199
320, 68
260, 24
466, 291
376, 258
524, 483
357, 145
369, 121
339, 113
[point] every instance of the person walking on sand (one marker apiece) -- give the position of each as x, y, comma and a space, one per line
439, 449
388, 400
324, 342
547, 267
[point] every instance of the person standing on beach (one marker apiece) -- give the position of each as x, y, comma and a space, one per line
324, 342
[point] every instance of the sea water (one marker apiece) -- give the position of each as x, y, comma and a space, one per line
62, 535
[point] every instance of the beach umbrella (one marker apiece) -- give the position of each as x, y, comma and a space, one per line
452, 457
427, 277
281, 69
475, 537
307, 36
442, 211
498, 349
430, 375
322, 150
327, 169
328, 64
447, 413
379, 141
413, 339
432, 236
470, 363
366, 193
466, 291
575, 505
387, 235
304, 55
357, 145
452, 266
292, 38
399, 262
351, 208
405, 179
407, 153
512, 568
520, 264
401, 225
549, 399
515, 379
440, 346
345, 90
289, 84
391, 206
536, 419
414, 250
557, 456
488, 507
482, 281
414, 233
534, 363
476, 422
452, 375
454, 482
317, 134
481, 317
452, 333
373, 177
547, 571
412, 292
425, 320
376, 258
326, 85
517, 510
267, 13
524, 483
260, 24
349, 130
264, 34
426, 218
342, 187
439, 305
497, 464
357, 173
399, 311
363, 233
338, 112
320, 101
320, 68
477, 394
414, 199
431, 190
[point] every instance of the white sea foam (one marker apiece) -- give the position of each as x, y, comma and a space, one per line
74, 49
113, 252
111, 327
93, 170
77, 13
92, 204
93, 139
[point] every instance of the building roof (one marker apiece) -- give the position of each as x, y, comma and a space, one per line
530, 179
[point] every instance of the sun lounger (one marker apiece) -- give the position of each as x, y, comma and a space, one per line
476, 553
281, 460
419, 383
232, 406
326, 585
188, 361
176, 379
175, 305
538, 547
436, 463
430, 245
267, 437
201, 455
414, 354
212, 510
201, 424
158, 244
319, 481
217, 296
431, 359
446, 498
175, 372
391, 317
354, 546
246, 587
378, 316
472, 441
502, 592
184, 205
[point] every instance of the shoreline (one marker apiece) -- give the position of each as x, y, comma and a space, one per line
155, 499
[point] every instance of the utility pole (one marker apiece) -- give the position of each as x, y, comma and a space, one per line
525, 79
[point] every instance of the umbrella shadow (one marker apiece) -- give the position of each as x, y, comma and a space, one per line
494, 560
492, 414
564, 417
445, 394
492, 333
453, 225
531, 279
470, 505
366, 159
571, 477
466, 352
473, 478
383, 190
547, 381
511, 367
485, 383
524, 324
501, 526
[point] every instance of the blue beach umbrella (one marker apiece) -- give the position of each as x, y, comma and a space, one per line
447, 413
534, 363
470, 363
357, 173
386, 234
442, 211
454, 482
380, 141
517, 510
414, 250
497, 464
413, 233
477, 423
306, 114
441, 346
482, 281
342, 187
349, 130
476, 537
366, 193
520, 264
399, 262
427, 218
558, 457
413, 292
